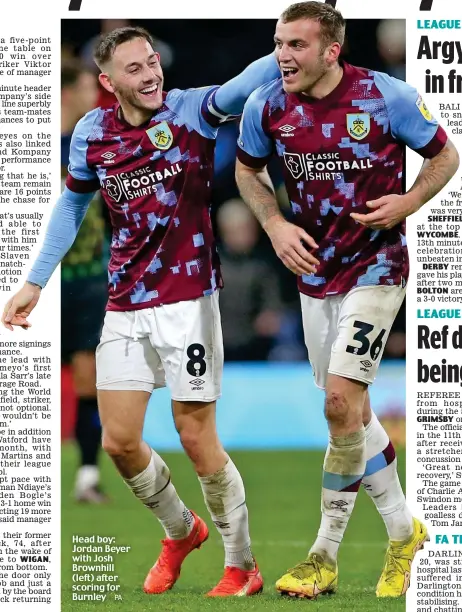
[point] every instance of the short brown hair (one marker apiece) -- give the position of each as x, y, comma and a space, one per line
331, 21
108, 43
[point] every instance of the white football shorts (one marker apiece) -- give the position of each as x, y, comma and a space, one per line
345, 334
179, 345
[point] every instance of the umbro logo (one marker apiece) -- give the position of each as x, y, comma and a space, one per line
197, 382
287, 129
339, 504
366, 365
108, 156
221, 525
152, 505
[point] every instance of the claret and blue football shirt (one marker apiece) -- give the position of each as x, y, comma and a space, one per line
156, 181
338, 153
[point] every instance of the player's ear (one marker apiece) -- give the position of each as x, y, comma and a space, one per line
105, 82
332, 52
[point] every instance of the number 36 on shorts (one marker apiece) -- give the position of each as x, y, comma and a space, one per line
346, 334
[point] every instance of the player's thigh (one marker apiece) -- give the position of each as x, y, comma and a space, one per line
125, 358
364, 323
188, 338
122, 416
320, 330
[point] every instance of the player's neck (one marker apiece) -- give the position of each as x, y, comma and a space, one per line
326, 84
134, 116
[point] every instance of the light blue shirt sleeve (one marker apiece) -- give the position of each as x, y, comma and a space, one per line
255, 147
410, 120
78, 166
231, 97
204, 109
65, 221
188, 105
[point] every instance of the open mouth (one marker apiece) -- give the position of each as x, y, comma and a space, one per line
150, 92
287, 73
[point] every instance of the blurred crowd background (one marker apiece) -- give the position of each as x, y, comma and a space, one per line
264, 323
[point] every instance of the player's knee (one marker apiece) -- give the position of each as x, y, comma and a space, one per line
119, 447
193, 443
337, 409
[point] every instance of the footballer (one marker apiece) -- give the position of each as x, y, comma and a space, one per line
340, 133
151, 155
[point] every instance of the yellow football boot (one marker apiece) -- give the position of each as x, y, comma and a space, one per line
311, 578
396, 574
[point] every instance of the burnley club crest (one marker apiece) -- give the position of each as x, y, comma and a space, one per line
358, 125
161, 136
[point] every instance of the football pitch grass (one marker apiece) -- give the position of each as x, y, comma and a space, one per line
283, 491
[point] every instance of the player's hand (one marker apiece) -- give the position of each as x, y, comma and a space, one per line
19, 307
387, 212
287, 240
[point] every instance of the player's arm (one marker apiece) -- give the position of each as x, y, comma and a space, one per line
256, 189
206, 108
229, 99
433, 176
412, 123
61, 232
65, 221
